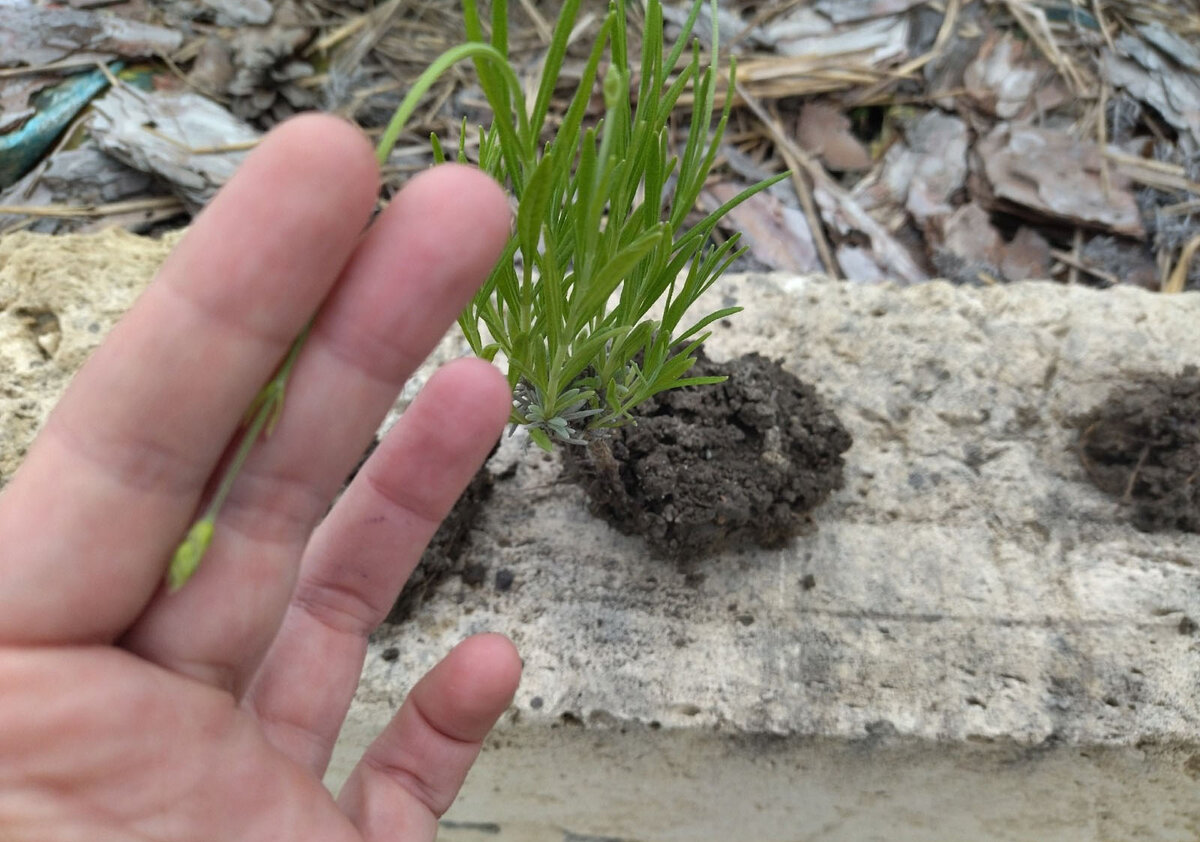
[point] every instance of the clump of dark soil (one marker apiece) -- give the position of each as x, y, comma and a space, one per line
708, 467
1142, 445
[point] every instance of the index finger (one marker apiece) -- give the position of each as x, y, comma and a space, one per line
114, 478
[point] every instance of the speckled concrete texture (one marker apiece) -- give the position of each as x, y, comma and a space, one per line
58, 297
975, 644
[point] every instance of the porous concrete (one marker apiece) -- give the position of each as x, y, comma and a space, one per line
975, 644
58, 297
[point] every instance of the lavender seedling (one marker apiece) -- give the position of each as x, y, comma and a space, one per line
601, 235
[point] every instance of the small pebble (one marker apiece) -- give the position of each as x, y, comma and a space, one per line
474, 574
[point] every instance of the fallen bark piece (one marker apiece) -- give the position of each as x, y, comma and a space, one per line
1181, 50
842, 11
883, 258
239, 12
1049, 174
16, 96
973, 243
777, 236
727, 21
806, 32
1026, 257
1002, 78
921, 173
213, 69
38, 35
83, 177
182, 137
974, 252
938, 145
1149, 76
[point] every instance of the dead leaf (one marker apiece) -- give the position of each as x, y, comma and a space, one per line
824, 131
1026, 257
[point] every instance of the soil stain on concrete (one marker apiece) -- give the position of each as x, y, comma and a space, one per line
705, 468
1142, 445
446, 554
702, 469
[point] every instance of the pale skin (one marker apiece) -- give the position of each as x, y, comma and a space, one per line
128, 713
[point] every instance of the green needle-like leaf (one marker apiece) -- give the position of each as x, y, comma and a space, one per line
600, 233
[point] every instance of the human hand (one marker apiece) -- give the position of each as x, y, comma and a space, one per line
127, 713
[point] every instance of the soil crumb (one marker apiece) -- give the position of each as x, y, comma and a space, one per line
711, 467
1142, 445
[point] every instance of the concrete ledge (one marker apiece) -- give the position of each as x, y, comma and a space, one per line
974, 645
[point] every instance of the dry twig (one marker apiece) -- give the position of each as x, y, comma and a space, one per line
797, 159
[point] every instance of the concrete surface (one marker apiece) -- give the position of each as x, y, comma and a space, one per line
975, 645
58, 297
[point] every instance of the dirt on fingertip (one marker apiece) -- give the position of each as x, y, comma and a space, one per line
1142, 446
713, 467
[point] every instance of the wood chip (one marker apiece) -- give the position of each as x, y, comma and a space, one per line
167, 134
1047, 174
39, 35
1003, 76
